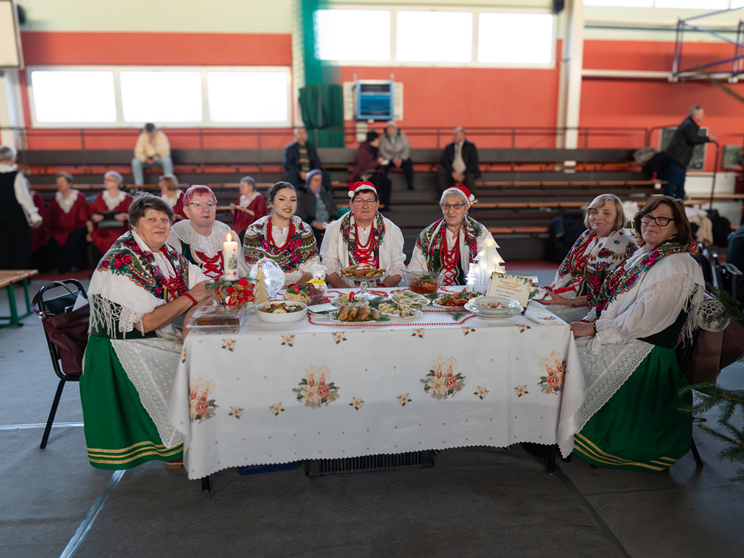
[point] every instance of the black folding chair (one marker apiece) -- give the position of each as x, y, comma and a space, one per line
49, 308
684, 357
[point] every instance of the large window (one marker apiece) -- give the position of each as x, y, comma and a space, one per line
679, 4
186, 97
431, 36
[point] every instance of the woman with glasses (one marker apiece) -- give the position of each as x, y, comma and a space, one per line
630, 418
200, 238
283, 237
363, 237
450, 244
595, 254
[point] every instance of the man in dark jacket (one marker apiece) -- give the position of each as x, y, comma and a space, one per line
300, 157
315, 205
680, 151
459, 163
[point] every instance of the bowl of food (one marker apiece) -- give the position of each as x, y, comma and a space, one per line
423, 282
281, 312
362, 272
496, 305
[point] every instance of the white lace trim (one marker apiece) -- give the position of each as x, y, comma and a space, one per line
245, 202
210, 245
113, 201
151, 366
66, 203
105, 314
172, 200
128, 318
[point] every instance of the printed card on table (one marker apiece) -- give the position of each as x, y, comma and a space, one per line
512, 286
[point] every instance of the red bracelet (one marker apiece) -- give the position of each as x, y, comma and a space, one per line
191, 298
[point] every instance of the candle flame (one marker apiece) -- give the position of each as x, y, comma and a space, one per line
228, 237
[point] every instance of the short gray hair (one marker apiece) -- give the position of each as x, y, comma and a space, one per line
462, 129
694, 109
7, 153
116, 175
250, 180
143, 202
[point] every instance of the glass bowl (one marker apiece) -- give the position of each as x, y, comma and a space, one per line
423, 282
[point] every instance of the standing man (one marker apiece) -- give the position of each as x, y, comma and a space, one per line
459, 163
680, 151
18, 214
300, 157
152, 150
396, 151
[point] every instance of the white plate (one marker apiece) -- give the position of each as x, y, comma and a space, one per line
470, 308
332, 316
282, 318
511, 305
453, 308
416, 298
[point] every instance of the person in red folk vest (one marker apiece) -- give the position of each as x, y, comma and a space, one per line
41, 235
250, 207
18, 214
171, 194
68, 212
200, 238
109, 215
363, 237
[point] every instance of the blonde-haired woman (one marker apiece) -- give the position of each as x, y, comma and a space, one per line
597, 252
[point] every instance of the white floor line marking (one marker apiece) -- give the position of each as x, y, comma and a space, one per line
38, 425
77, 539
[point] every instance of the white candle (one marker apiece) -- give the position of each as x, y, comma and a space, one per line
230, 258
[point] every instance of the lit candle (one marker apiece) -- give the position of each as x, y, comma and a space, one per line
230, 258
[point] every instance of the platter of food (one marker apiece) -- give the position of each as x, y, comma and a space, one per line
410, 297
362, 273
358, 314
309, 294
281, 312
348, 300
400, 310
496, 305
217, 318
454, 300
470, 307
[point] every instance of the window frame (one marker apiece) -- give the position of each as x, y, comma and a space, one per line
120, 123
476, 11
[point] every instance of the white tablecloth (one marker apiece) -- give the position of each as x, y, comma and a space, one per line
280, 393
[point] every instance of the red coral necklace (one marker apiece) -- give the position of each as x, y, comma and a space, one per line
364, 253
449, 258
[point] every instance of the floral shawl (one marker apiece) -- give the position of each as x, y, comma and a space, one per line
347, 230
591, 260
428, 240
299, 249
631, 271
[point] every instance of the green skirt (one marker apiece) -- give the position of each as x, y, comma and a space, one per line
119, 432
641, 427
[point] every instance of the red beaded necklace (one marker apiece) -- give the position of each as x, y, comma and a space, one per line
449, 258
270, 235
212, 267
364, 253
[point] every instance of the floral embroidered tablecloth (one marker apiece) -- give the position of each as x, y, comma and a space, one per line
280, 393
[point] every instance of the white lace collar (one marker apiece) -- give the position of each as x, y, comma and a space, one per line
66, 203
210, 245
172, 200
113, 201
161, 261
245, 202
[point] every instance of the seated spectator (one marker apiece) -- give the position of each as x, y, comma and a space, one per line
18, 214
630, 418
68, 212
735, 252
152, 150
396, 150
172, 195
363, 237
249, 207
300, 157
40, 248
459, 163
109, 213
368, 168
200, 238
315, 205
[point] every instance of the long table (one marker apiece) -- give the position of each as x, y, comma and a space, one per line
270, 394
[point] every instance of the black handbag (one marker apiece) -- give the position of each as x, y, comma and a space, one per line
110, 221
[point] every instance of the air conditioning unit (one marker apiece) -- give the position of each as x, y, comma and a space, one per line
375, 100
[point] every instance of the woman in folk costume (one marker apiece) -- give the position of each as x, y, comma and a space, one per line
200, 237
111, 200
249, 207
139, 288
172, 195
630, 418
283, 237
594, 256
67, 214
363, 237
451, 244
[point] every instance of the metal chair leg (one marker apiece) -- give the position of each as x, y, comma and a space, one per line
206, 486
551, 460
52, 413
696, 454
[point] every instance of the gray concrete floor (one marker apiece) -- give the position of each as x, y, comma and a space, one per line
473, 502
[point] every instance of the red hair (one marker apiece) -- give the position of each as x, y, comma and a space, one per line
198, 189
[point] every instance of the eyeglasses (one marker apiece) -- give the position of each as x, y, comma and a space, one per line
365, 202
199, 205
457, 206
661, 221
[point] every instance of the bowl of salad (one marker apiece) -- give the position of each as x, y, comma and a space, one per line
423, 282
